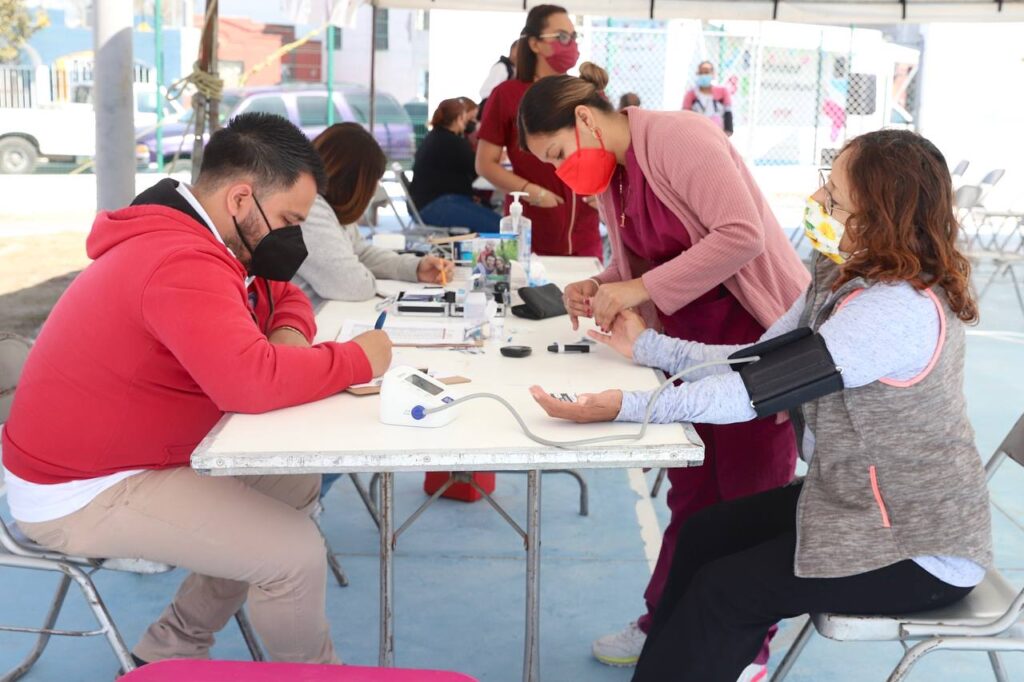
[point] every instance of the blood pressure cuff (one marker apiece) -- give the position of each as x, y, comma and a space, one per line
540, 303
793, 369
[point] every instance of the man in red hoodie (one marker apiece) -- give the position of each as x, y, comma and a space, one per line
187, 313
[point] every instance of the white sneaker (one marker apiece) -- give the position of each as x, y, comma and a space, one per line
621, 648
754, 673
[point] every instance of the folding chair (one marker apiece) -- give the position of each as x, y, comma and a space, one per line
990, 180
418, 226
967, 205
1004, 255
958, 173
19, 552
985, 620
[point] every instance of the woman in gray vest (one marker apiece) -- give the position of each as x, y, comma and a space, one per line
893, 514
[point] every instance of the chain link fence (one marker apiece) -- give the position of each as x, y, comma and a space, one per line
797, 93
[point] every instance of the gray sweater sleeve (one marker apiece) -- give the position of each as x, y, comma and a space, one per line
888, 332
341, 264
674, 355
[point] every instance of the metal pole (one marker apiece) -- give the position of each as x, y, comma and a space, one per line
817, 96
115, 151
386, 652
531, 652
202, 106
330, 73
213, 66
158, 29
373, 70
849, 84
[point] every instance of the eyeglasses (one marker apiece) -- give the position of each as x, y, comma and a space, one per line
830, 202
562, 37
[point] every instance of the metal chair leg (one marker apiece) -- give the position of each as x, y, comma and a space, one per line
336, 569
332, 559
249, 635
584, 494
44, 637
995, 275
658, 480
365, 496
584, 489
1016, 286
375, 491
794, 652
911, 657
997, 667
99, 610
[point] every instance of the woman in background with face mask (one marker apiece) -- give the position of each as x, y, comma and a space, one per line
563, 224
709, 99
695, 248
893, 515
443, 172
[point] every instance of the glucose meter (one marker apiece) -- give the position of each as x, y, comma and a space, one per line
407, 393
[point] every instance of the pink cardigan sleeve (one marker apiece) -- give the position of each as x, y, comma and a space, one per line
693, 167
688, 100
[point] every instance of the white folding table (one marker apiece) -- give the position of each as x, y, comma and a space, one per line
342, 434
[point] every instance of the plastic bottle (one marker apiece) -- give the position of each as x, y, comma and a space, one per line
515, 223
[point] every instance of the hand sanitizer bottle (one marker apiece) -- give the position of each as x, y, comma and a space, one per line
515, 223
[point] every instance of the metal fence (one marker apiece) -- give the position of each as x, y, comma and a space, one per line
797, 92
23, 87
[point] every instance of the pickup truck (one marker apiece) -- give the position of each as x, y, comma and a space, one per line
66, 131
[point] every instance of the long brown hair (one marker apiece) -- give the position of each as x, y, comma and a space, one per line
536, 22
355, 164
905, 227
550, 104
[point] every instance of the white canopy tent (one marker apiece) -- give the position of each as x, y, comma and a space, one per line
841, 12
860, 12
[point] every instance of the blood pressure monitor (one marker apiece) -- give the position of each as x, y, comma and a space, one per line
405, 394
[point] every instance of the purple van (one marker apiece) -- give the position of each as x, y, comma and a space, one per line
304, 105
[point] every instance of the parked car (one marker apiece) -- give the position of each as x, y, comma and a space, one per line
65, 131
306, 106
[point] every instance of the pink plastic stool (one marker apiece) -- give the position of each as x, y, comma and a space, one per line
191, 670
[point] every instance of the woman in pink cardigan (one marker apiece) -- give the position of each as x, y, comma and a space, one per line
698, 252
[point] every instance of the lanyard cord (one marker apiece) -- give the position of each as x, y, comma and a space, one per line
572, 444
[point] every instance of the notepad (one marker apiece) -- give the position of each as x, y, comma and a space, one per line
406, 334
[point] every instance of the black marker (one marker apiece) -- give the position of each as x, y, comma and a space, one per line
569, 348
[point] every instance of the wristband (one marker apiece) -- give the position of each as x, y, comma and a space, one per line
277, 329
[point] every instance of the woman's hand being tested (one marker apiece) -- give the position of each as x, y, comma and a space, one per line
611, 299
577, 300
626, 329
589, 407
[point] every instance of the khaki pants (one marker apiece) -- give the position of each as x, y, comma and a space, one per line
245, 537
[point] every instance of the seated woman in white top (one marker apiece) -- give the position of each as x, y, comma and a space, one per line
341, 264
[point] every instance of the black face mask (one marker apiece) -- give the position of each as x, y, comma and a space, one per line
470, 127
279, 254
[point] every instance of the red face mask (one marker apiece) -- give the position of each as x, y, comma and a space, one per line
563, 57
587, 171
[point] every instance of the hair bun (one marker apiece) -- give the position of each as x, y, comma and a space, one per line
594, 74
